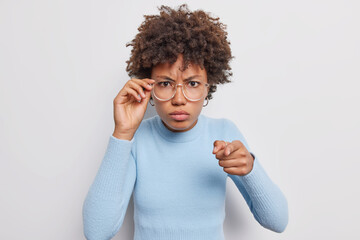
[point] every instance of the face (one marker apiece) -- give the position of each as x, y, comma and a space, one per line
166, 109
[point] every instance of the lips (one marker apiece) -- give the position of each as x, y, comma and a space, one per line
179, 115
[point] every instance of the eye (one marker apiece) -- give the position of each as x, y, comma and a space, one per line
193, 84
164, 84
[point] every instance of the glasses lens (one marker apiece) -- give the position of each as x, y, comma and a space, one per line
164, 89
194, 90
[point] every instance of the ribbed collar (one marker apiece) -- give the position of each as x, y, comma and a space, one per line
186, 136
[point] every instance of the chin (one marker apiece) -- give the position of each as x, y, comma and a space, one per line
179, 125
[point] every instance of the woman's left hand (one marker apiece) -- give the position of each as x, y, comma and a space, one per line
233, 157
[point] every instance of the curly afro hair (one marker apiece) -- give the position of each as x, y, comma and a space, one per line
200, 38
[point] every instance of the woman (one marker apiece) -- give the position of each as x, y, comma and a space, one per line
177, 162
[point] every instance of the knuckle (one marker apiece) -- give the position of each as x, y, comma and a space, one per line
243, 154
242, 162
129, 84
135, 82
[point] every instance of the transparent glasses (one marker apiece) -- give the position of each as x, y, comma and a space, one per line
193, 90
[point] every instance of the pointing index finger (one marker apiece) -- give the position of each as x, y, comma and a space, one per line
219, 145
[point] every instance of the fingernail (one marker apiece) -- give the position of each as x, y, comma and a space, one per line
215, 148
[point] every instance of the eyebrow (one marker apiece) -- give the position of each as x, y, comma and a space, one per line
169, 78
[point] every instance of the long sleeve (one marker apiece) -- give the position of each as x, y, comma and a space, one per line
107, 200
264, 198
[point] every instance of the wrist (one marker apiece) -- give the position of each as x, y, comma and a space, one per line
122, 135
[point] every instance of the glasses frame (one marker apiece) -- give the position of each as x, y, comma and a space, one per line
182, 89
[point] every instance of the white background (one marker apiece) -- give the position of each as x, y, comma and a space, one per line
294, 96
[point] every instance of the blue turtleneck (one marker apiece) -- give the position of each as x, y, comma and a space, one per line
178, 185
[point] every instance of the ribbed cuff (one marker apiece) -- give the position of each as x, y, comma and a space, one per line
111, 175
257, 181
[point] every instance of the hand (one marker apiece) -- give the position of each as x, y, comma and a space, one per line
233, 157
129, 107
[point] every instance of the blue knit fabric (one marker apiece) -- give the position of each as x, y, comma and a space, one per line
178, 185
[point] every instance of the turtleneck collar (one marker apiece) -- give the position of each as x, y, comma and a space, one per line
186, 136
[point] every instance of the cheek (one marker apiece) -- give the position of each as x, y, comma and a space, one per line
199, 105
160, 107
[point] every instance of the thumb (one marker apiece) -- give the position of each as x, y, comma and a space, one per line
144, 101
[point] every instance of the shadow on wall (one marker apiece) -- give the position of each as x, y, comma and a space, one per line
150, 111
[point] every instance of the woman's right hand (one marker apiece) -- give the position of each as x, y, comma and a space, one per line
129, 107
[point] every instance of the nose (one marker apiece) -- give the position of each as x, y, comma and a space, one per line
179, 98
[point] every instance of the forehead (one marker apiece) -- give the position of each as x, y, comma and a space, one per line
176, 69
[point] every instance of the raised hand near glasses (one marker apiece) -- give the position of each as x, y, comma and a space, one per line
129, 107
233, 157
